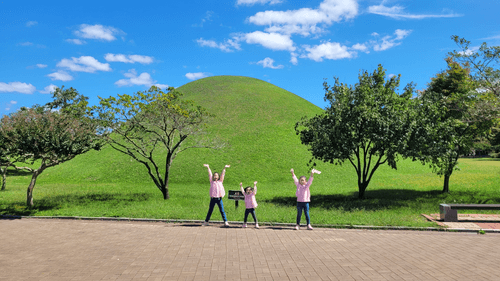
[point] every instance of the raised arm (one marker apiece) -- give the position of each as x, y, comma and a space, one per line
223, 173
254, 187
294, 176
241, 188
209, 172
311, 178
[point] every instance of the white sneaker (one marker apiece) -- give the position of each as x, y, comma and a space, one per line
226, 224
205, 223
256, 225
297, 227
244, 225
309, 227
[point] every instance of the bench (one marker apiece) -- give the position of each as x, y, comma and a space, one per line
448, 212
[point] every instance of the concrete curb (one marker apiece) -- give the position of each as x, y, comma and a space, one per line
271, 224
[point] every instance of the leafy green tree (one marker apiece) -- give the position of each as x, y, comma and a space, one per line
49, 137
451, 114
141, 124
484, 65
367, 124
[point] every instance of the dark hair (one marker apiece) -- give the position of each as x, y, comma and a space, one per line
214, 175
248, 188
302, 177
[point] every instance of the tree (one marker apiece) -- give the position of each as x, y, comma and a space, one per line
50, 137
451, 114
367, 124
483, 63
148, 121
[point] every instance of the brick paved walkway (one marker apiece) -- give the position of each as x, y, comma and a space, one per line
51, 249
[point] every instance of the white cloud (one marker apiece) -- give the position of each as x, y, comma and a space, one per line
401, 33
208, 17
140, 59
328, 50
39, 65
304, 30
470, 51
18, 87
252, 2
128, 59
229, 45
305, 20
60, 75
491, 38
397, 12
389, 41
76, 41
162, 86
360, 47
49, 89
143, 79
31, 23
25, 44
293, 58
269, 63
273, 41
197, 75
98, 31
84, 64
10, 104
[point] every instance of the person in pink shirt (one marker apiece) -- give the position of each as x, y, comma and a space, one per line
303, 196
250, 202
217, 192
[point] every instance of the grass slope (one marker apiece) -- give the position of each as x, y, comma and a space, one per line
256, 119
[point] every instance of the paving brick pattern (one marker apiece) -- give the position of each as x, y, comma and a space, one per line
51, 249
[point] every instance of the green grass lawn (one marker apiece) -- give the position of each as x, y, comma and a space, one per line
394, 198
256, 120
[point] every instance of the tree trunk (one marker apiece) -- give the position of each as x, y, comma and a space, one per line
4, 178
446, 186
29, 197
362, 187
165, 192
164, 189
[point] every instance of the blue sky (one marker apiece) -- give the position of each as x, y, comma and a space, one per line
105, 48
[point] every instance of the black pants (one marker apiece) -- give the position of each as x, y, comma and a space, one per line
250, 211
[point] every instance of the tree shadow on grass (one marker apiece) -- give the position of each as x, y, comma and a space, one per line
387, 199
48, 203
15, 172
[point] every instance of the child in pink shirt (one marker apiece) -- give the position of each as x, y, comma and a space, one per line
250, 202
217, 192
303, 196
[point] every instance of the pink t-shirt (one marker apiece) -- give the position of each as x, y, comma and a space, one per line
303, 193
250, 201
216, 187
